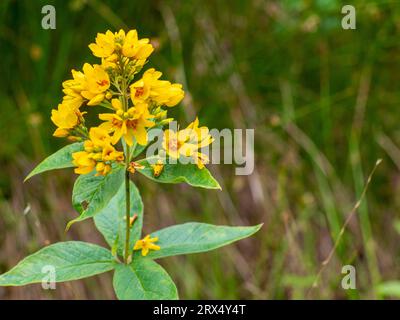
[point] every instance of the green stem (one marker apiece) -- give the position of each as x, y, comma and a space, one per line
124, 95
128, 207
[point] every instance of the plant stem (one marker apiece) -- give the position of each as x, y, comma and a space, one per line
124, 96
128, 207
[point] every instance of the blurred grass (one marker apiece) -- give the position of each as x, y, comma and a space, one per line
323, 102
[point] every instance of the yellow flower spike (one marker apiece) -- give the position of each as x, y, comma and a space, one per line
157, 168
146, 244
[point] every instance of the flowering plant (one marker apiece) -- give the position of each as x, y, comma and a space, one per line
105, 156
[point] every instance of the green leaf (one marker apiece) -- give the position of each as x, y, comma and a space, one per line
58, 160
196, 237
71, 260
111, 222
91, 194
389, 288
177, 173
143, 279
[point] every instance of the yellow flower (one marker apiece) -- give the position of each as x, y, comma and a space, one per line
151, 89
187, 142
109, 44
102, 168
146, 244
134, 48
72, 89
104, 46
98, 138
97, 83
83, 161
98, 154
157, 168
110, 154
65, 117
130, 124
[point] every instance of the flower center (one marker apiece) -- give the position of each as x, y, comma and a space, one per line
174, 144
102, 83
139, 92
116, 123
131, 123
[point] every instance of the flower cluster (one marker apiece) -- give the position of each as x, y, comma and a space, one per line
98, 154
133, 106
188, 142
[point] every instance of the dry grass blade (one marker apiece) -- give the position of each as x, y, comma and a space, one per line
342, 230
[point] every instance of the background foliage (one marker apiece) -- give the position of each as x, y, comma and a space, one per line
324, 105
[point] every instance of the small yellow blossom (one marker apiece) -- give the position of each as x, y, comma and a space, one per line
97, 83
104, 46
146, 244
83, 161
65, 117
187, 142
160, 92
98, 138
109, 44
72, 89
157, 168
136, 49
98, 154
128, 124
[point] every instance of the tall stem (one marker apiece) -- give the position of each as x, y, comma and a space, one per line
127, 184
128, 207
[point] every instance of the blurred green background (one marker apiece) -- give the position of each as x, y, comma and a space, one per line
324, 105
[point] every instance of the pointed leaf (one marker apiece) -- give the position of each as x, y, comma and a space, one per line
110, 221
143, 279
196, 237
177, 173
58, 160
71, 260
91, 194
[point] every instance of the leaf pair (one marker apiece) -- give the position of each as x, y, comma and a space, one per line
142, 279
73, 260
